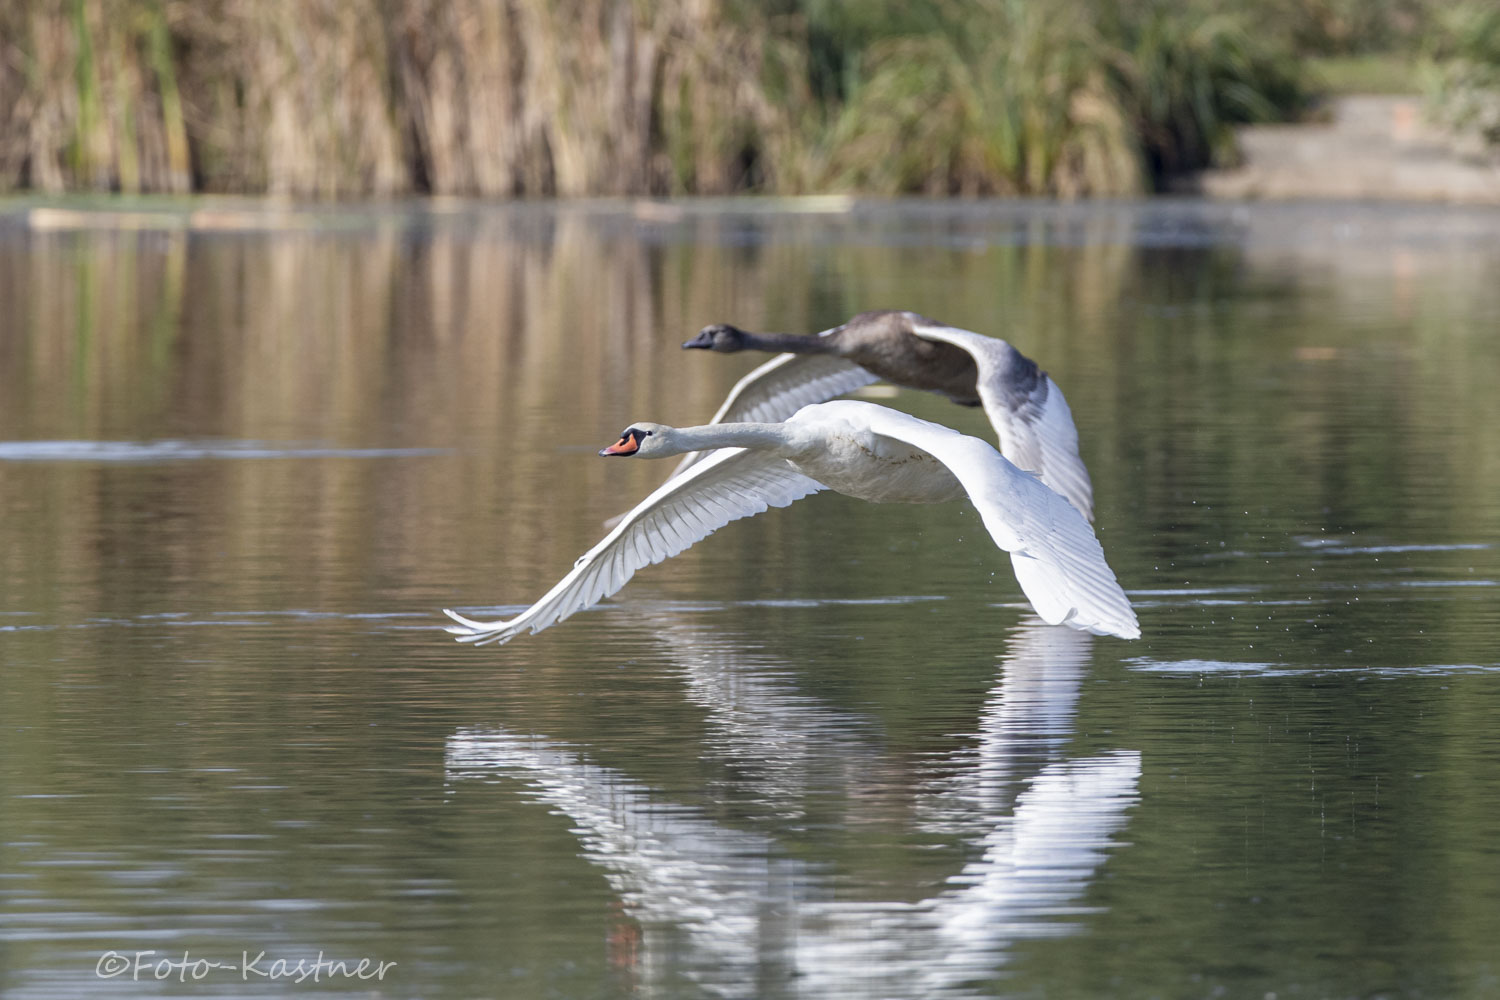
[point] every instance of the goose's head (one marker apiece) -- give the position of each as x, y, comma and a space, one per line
643, 440
719, 337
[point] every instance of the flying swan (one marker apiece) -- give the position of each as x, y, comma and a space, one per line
860, 450
1023, 404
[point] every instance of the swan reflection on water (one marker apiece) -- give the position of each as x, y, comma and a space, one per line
732, 911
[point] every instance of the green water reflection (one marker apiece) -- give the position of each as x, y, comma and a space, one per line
824, 753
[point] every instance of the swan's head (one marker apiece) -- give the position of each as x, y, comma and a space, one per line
719, 337
641, 439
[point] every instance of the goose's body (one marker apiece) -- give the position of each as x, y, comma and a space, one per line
861, 450
1027, 409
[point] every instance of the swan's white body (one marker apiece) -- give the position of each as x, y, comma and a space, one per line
1026, 408
861, 450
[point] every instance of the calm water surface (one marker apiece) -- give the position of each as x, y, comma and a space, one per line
826, 753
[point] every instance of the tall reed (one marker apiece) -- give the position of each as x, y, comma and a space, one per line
89, 97
1186, 81
1025, 109
513, 98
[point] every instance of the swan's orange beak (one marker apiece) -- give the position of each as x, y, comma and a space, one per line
627, 445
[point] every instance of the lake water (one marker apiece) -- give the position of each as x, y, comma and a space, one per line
246, 457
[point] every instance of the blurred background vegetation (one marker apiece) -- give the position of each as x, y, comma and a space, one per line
514, 98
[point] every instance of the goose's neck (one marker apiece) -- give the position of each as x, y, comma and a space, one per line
793, 343
761, 437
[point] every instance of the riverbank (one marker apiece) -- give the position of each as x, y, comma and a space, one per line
1370, 147
513, 99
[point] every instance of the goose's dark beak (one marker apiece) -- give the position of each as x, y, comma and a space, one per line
703, 341
627, 445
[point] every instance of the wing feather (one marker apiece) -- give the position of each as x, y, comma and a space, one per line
729, 484
1058, 560
1031, 418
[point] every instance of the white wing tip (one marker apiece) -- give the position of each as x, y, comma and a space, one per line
478, 633
1123, 628
1128, 630
469, 624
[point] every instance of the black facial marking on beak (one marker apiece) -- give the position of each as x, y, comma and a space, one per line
629, 443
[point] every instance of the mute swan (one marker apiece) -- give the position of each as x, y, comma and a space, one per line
1026, 408
861, 450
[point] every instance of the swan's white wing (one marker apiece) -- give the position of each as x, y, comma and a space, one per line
1028, 411
782, 386
1057, 558
729, 484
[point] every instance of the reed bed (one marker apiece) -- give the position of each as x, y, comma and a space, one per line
523, 98
1027, 110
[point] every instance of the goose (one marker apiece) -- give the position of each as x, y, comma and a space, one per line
861, 450
1026, 408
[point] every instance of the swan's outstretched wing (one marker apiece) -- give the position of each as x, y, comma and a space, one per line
729, 484
782, 386
1028, 411
1057, 558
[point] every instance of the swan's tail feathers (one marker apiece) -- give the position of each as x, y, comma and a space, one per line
481, 633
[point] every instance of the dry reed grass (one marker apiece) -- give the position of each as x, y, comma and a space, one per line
89, 98
331, 98
516, 98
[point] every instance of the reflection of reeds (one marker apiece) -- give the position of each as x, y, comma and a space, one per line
530, 97
523, 338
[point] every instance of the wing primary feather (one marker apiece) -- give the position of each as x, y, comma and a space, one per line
728, 485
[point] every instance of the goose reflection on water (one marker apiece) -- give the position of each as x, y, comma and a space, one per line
732, 911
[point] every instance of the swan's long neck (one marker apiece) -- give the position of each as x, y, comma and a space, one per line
761, 437
793, 343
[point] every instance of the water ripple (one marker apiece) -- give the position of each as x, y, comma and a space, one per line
1260, 669
181, 451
